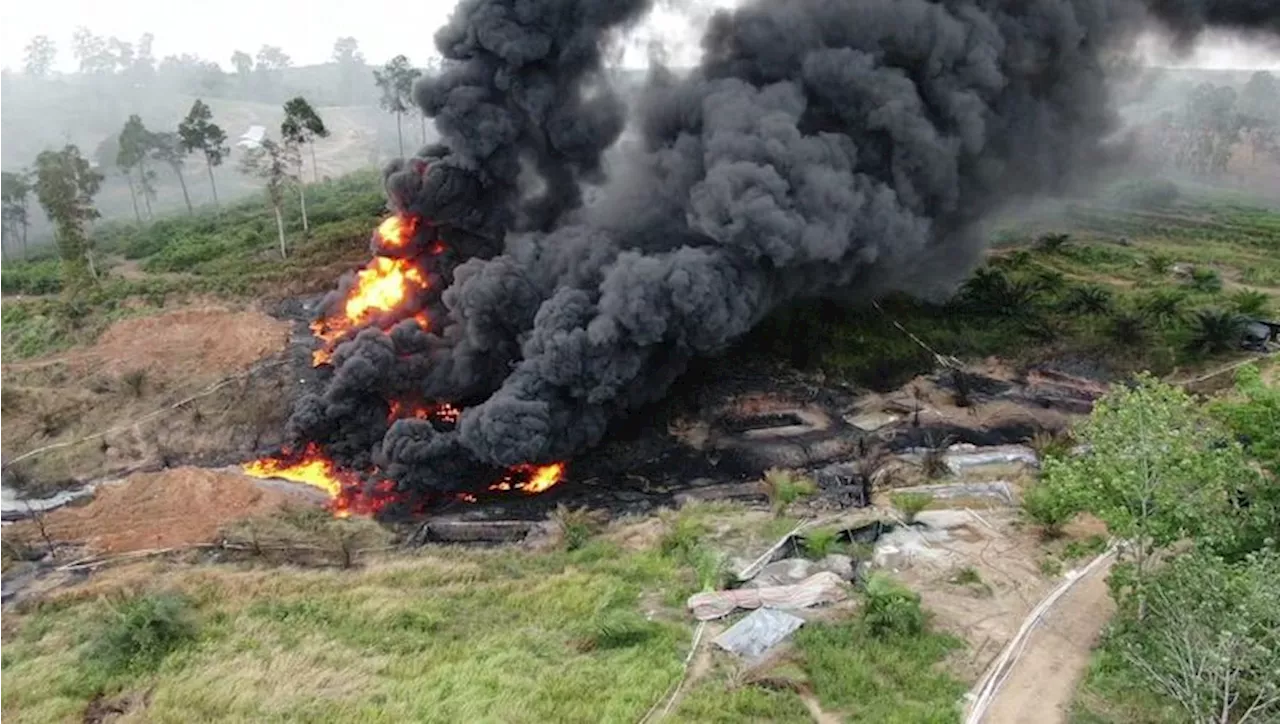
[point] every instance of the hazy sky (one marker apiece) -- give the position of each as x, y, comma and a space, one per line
305, 30
384, 28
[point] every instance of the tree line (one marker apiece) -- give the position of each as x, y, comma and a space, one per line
64, 182
121, 67
1201, 135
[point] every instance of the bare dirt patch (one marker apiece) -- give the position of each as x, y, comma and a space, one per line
170, 508
186, 343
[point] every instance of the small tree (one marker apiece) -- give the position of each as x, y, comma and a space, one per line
167, 148
65, 186
197, 132
395, 80
272, 162
1154, 473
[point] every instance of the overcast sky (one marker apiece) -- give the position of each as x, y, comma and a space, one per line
384, 28
304, 30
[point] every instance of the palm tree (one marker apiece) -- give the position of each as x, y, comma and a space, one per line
1088, 299
1216, 331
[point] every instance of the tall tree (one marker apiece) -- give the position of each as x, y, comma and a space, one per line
167, 148
91, 52
272, 162
198, 132
243, 63
135, 145
303, 125
65, 186
40, 53
1259, 106
395, 80
346, 53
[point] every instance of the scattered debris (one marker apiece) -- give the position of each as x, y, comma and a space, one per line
789, 571
758, 632
967, 458
824, 587
907, 546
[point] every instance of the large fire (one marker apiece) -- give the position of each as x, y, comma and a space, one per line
378, 296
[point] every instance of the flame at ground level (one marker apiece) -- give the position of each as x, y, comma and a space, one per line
383, 285
346, 489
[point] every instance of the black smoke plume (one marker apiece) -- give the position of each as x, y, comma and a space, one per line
822, 148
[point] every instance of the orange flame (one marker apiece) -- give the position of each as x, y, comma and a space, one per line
397, 231
441, 411
381, 286
312, 467
539, 478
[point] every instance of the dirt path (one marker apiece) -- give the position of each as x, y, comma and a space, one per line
1043, 680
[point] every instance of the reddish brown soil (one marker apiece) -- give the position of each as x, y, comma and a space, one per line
170, 508
190, 342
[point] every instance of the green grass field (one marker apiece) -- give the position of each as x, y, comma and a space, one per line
597, 634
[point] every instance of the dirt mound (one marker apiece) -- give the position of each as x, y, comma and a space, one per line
190, 342
168, 508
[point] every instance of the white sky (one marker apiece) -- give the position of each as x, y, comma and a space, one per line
384, 28
304, 30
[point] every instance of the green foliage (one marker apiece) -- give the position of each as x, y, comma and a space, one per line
1051, 243
617, 629
65, 186
1251, 302
784, 487
36, 277
990, 291
301, 122
1215, 331
819, 542
576, 525
1206, 280
1156, 472
910, 504
882, 678
1206, 635
1085, 548
1159, 264
891, 609
1088, 299
138, 634
1049, 443
1127, 328
1050, 507
1164, 306
1253, 415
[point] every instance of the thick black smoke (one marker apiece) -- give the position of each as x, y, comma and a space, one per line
822, 148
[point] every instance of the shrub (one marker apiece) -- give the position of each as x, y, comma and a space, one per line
1052, 242
139, 633
1050, 444
1215, 331
1089, 299
1251, 302
1159, 264
891, 609
910, 504
819, 542
1049, 506
1148, 193
1127, 328
615, 629
1206, 280
576, 525
1164, 306
784, 487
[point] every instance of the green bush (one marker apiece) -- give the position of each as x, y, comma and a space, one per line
1206, 280
892, 609
910, 504
784, 487
139, 633
1251, 302
819, 542
37, 277
1049, 506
